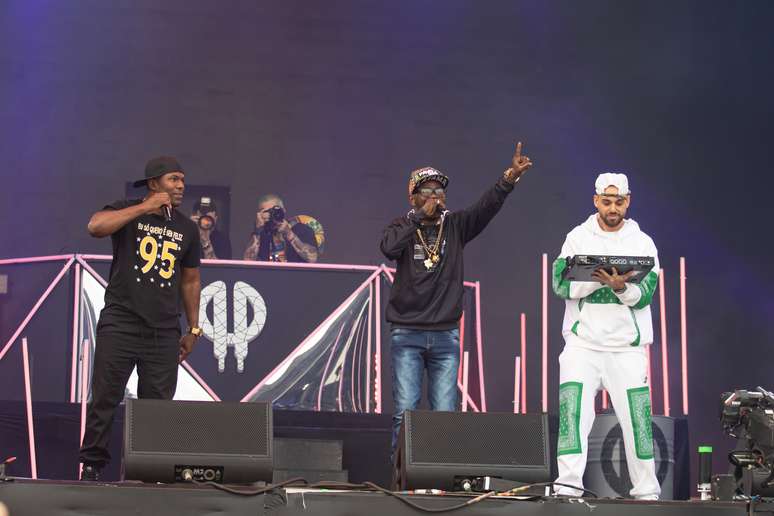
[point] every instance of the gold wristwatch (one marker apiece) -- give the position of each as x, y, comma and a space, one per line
195, 331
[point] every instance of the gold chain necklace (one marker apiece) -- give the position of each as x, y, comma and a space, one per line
433, 257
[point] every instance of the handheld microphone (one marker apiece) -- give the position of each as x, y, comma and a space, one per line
167, 212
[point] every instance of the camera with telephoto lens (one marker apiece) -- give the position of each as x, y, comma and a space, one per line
276, 214
205, 206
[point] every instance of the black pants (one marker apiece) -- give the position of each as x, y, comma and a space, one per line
154, 352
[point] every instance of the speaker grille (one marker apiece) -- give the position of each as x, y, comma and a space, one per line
475, 438
196, 427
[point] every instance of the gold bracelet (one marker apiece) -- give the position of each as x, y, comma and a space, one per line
507, 176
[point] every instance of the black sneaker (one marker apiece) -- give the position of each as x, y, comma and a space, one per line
90, 473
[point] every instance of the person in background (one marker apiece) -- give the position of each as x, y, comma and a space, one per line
215, 244
275, 240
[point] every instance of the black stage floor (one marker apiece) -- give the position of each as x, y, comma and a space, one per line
38, 497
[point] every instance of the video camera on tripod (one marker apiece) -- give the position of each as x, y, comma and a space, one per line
749, 416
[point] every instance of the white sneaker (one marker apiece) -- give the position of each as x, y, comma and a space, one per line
651, 497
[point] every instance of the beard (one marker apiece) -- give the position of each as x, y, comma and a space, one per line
612, 221
177, 199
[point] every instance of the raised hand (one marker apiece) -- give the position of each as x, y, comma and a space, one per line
156, 200
432, 207
519, 164
261, 218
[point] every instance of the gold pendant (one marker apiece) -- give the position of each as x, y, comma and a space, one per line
428, 264
435, 258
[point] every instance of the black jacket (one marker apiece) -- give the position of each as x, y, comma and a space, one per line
432, 299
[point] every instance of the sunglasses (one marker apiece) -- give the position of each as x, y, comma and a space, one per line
427, 192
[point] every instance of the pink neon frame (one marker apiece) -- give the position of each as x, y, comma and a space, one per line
371, 311
544, 369
462, 345
664, 347
81, 260
91, 270
84, 384
76, 329
465, 371
683, 335
265, 265
85, 368
36, 259
480, 349
200, 380
517, 386
376, 269
522, 371
332, 316
378, 345
28, 403
42, 298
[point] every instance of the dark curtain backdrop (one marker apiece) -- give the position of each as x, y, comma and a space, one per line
331, 104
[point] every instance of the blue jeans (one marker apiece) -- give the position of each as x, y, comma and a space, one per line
413, 351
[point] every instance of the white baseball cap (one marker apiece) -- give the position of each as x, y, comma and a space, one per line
620, 181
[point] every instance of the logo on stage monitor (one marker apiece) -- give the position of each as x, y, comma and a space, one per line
246, 329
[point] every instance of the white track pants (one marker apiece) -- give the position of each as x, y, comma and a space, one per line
582, 373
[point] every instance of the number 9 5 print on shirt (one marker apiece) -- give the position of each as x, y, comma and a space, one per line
148, 254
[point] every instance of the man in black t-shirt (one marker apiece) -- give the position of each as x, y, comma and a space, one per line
155, 266
426, 298
275, 240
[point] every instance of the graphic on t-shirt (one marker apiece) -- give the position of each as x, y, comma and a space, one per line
156, 254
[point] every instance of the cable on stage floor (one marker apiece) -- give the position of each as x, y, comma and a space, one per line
301, 482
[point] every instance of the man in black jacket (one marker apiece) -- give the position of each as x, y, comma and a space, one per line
426, 299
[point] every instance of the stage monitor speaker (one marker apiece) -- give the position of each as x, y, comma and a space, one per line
172, 441
436, 447
606, 470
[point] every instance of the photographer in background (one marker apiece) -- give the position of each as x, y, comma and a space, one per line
215, 244
275, 240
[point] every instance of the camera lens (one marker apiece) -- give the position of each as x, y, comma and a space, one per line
206, 222
277, 214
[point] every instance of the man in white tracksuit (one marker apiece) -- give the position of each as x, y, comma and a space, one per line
607, 325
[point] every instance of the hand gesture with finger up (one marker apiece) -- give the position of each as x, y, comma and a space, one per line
519, 164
